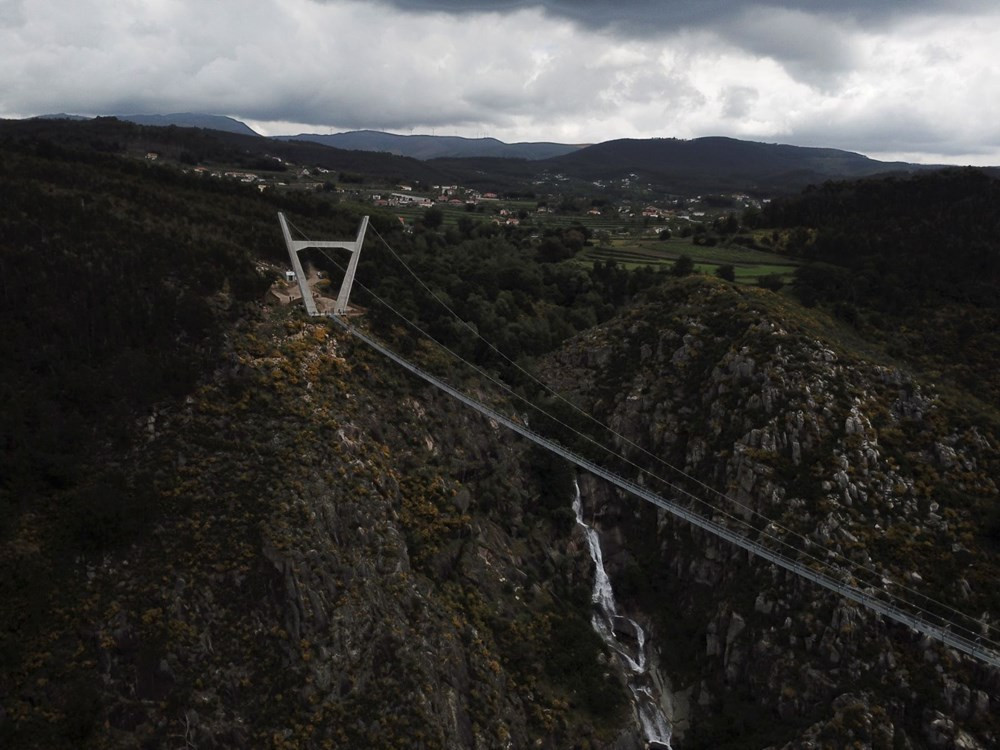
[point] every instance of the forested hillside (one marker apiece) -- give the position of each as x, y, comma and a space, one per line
225, 524
107, 306
914, 262
719, 164
164, 433
193, 145
434, 146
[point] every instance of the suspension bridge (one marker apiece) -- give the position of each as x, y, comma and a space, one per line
981, 643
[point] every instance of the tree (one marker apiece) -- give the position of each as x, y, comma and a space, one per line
574, 240
552, 250
772, 282
752, 218
683, 266
726, 272
726, 225
433, 217
665, 234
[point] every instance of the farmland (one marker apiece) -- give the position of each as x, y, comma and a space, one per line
749, 264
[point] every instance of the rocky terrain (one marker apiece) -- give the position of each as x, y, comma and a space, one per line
225, 525
345, 560
859, 456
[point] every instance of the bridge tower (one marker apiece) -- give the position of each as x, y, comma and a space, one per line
295, 246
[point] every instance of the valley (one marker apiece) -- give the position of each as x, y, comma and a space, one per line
227, 524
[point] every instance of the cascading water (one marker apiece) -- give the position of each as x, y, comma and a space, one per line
627, 642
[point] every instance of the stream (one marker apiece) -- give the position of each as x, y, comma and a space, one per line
627, 641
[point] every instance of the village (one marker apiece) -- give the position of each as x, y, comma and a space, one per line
626, 213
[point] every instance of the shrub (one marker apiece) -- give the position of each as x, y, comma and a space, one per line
683, 266
726, 272
772, 282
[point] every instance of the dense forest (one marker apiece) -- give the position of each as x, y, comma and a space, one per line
120, 279
902, 242
125, 286
914, 262
200, 146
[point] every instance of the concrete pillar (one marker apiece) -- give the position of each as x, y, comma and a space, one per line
295, 246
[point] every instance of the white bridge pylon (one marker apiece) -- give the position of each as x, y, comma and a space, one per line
295, 246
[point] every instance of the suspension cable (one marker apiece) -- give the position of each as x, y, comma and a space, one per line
824, 564
879, 575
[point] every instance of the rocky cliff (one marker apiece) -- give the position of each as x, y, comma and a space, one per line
856, 457
341, 558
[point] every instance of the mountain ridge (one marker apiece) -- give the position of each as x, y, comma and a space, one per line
711, 164
751, 163
422, 146
193, 120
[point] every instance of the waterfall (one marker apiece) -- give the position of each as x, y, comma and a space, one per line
617, 631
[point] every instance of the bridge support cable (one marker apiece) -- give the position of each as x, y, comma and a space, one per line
980, 649
854, 568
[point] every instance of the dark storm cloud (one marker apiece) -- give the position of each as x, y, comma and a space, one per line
645, 17
811, 39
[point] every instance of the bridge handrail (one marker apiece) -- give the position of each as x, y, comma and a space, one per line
969, 646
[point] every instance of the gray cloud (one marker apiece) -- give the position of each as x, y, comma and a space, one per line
812, 49
738, 100
11, 13
811, 40
911, 131
643, 17
575, 72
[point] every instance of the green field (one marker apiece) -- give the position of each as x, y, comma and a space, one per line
748, 264
630, 252
613, 224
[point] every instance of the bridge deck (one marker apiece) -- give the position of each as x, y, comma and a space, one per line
978, 648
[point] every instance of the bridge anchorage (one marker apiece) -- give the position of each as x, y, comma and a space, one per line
296, 246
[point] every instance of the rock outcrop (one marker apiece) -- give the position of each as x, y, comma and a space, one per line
345, 559
854, 462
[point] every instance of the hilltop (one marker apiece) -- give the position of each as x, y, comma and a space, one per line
721, 164
664, 166
435, 146
196, 145
193, 120
178, 119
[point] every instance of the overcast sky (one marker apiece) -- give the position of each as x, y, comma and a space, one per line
909, 79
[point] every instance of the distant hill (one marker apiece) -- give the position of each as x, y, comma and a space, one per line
435, 146
681, 167
195, 145
193, 120
180, 119
716, 163
61, 116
